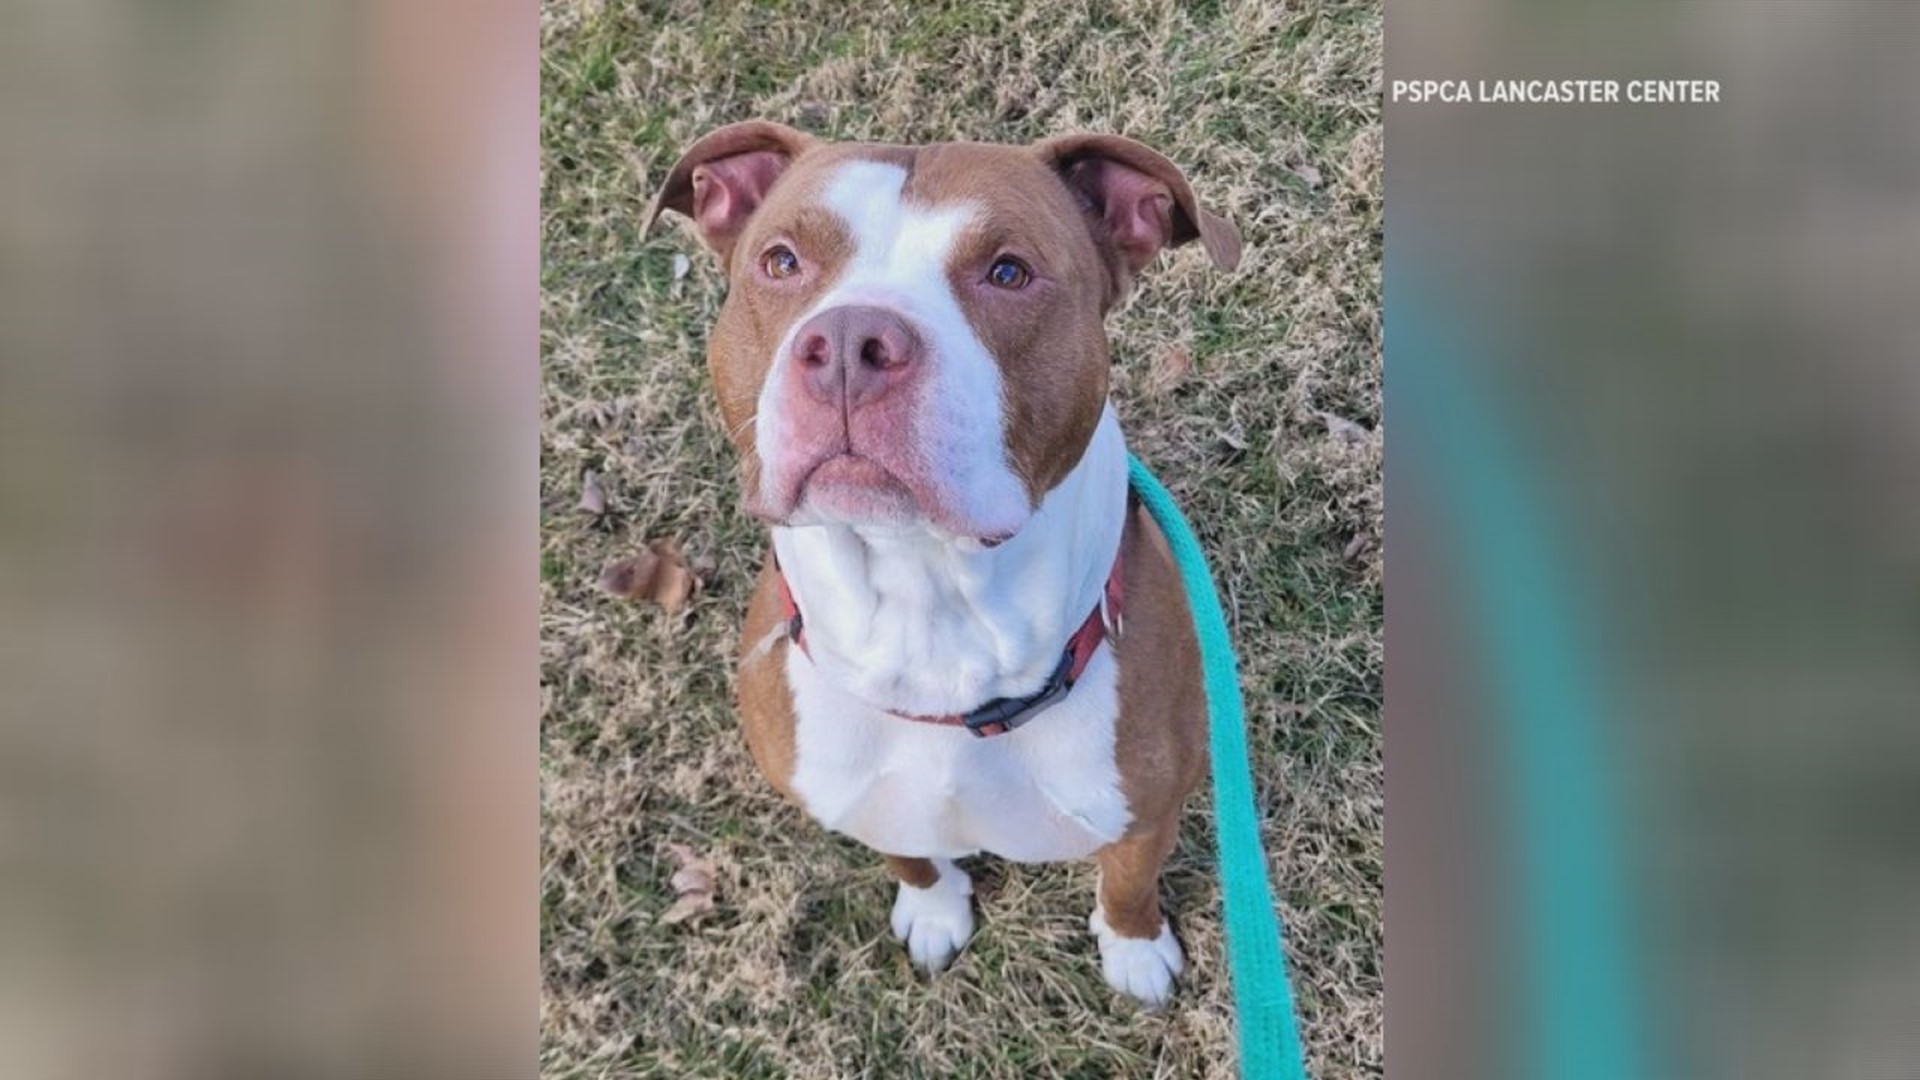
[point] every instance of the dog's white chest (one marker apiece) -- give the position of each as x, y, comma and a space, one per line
1049, 791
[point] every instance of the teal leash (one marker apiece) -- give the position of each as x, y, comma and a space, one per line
1269, 1039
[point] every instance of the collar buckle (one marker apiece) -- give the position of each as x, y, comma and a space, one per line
1001, 715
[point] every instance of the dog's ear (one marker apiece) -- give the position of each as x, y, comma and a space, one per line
722, 178
1137, 202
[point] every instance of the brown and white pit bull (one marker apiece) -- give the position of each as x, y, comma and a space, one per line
966, 638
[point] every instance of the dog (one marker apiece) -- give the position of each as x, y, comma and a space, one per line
966, 637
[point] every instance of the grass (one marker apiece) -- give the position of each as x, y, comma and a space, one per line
1274, 110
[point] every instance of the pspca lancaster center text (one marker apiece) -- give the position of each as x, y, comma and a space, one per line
1556, 91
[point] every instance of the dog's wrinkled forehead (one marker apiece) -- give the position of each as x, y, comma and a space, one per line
894, 244
911, 208
870, 196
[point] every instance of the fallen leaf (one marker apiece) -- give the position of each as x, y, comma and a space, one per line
676, 582
693, 885
657, 575
628, 578
692, 905
1356, 547
593, 497
696, 878
1344, 429
1171, 366
1309, 174
681, 264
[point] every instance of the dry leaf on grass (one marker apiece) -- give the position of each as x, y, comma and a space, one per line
593, 497
691, 879
1309, 175
681, 264
693, 886
1171, 366
690, 907
1356, 547
1344, 429
657, 575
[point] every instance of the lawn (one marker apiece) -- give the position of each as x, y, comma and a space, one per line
1255, 395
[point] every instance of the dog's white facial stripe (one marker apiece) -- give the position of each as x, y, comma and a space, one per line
899, 261
899, 251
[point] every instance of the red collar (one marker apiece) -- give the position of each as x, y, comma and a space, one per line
1001, 715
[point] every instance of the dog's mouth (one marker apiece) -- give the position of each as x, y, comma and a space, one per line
851, 488
849, 470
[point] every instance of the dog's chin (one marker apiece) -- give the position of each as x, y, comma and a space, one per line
856, 491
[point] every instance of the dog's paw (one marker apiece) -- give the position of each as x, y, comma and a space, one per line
936, 921
1141, 968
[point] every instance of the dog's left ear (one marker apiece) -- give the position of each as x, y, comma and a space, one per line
722, 178
1139, 202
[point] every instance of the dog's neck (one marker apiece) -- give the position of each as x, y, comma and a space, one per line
918, 622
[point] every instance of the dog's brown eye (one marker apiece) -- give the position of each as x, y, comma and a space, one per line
1008, 272
780, 262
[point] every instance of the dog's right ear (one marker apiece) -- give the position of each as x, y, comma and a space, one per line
721, 179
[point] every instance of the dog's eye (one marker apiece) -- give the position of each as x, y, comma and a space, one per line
780, 262
1008, 272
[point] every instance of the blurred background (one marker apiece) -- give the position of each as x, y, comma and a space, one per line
267, 463
1653, 377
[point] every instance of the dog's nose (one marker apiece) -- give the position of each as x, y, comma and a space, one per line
854, 355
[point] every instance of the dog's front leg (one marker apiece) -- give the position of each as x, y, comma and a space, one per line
933, 913
1138, 953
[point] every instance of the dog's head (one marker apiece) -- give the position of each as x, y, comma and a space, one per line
913, 334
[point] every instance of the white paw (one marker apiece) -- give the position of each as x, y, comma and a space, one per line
1141, 968
936, 921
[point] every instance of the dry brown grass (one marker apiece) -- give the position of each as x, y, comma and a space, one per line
1274, 109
